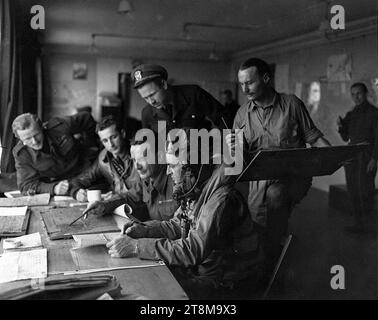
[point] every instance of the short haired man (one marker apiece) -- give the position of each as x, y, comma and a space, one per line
361, 125
48, 154
184, 106
273, 120
113, 164
154, 188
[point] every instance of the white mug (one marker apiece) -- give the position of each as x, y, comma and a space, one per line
94, 195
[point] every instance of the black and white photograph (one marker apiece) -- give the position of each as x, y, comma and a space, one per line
220, 151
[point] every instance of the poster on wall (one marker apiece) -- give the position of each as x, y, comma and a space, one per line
374, 84
80, 71
339, 68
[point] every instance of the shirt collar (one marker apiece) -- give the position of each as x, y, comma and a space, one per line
275, 102
363, 106
109, 156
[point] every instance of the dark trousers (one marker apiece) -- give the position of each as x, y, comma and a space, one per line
281, 196
360, 186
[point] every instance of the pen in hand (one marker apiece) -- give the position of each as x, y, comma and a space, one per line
84, 215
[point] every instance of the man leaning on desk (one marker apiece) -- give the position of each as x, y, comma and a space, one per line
48, 154
272, 120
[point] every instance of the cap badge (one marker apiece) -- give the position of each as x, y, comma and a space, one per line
138, 75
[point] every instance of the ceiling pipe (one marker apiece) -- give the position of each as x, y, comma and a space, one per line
357, 28
212, 44
187, 25
114, 35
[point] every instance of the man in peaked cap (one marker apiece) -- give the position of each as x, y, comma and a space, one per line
184, 106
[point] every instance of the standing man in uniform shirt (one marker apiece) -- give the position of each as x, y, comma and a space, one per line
272, 120
185, 106
361, 125
47, 155
113, 164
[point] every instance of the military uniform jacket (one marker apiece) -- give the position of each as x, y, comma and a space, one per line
103, 168
361, 125
39, 171
152, 200
221, 244
192, 107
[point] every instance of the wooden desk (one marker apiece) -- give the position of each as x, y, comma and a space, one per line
155, 283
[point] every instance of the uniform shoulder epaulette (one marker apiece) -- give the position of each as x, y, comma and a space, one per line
52, 123
18, 147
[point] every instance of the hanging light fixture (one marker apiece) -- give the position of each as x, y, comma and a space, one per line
92, 48
125, 7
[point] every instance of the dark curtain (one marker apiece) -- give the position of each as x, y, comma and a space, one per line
19, 53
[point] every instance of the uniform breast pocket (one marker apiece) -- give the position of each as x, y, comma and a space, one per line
193, 120
65, 144
167, 208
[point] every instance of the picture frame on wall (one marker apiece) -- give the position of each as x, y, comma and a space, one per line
80, 71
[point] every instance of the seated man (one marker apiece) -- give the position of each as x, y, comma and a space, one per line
48, 154
210, 244
154, 189
113, 164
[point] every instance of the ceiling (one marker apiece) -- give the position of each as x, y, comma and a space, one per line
155, 28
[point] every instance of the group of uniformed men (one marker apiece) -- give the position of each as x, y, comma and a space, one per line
215, 242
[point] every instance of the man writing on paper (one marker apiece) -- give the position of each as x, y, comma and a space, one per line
113, 164
47, 155
154, 189
210, 244
272, 120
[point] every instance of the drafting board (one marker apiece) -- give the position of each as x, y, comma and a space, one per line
306, 162
57, 220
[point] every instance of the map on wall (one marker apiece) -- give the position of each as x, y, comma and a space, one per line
339, 67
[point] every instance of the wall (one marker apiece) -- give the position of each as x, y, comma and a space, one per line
307, 65
62, 93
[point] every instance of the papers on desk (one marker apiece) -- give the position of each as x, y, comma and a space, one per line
88, 240
27, 242
13, 221
36, 200
23, 265
62, 198
13, 194
13, 212
120, 211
